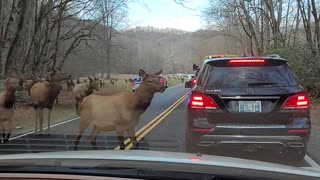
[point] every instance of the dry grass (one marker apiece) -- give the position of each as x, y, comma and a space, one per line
25, 117
119, 86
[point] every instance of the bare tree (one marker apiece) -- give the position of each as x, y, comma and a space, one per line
35, 33
114, 17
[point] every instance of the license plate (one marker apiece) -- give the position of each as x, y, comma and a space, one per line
249, 106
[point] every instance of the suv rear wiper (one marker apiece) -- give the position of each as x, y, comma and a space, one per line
261, 84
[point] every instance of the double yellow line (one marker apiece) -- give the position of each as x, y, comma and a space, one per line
152, 124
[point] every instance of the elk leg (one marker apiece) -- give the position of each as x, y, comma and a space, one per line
82, 126
9, 128
49, 119
37, 120
41, 118
94, 134
3, 137
121, 140
6, 139
133, 138
77, 106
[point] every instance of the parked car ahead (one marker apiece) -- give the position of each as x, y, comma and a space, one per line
136, 83
164, 81
248, 104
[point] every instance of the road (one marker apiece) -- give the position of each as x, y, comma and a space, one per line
162, 127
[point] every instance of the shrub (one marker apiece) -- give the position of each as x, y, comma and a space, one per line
305, 65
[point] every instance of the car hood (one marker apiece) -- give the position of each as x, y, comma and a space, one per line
158, 160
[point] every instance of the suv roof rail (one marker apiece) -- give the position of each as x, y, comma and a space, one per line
274, 55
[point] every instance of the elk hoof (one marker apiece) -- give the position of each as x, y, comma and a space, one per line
122, 147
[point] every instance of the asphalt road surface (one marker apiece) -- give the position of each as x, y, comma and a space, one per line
167, 133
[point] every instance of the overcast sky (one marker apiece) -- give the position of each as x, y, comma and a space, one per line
167, 14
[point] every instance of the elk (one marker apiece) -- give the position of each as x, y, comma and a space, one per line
101, 82
119, 112
29, 83
69, 84
44, 94
75, 81
82, 90
112, 81
7, 102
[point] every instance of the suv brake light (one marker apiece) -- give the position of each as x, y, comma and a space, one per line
200, 101
299, 101
247, 61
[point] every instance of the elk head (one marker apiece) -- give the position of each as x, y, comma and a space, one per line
94, 83
14, 83
57, 76
152, 81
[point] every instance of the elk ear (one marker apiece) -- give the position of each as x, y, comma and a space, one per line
142, 73
158, 72
90, 78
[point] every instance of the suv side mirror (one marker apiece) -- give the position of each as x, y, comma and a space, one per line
188, 84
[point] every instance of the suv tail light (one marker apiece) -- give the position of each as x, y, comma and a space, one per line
299, 101
194, 81
200, 101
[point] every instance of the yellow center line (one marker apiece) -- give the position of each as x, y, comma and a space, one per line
144, 133
127, 141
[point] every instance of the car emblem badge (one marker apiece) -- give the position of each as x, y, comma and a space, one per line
249, 91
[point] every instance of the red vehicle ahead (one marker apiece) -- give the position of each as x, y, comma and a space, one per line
164, 81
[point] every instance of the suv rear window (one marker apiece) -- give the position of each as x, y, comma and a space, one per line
248, 76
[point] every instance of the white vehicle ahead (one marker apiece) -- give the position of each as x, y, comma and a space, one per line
190, 76
136, 83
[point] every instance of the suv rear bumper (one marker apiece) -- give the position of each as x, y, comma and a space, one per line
252, 141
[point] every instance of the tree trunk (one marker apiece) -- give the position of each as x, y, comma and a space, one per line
21, 9
317, 24
275, 22
306, 24
108, 63
56, 47
8, 35
296, 31
251, 28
